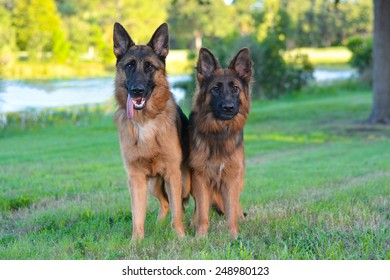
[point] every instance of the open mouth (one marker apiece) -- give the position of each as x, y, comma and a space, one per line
139, 103
134, 103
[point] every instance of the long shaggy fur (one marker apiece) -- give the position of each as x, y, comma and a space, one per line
217, 146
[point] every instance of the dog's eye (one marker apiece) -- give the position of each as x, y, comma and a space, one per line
236, 89
149, 66
215, 89
130, 65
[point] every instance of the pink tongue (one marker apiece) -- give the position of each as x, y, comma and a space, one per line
129, 107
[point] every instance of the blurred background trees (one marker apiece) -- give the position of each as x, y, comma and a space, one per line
77, 25
73, 31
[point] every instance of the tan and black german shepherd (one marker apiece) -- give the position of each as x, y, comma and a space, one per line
152, 129
220, 109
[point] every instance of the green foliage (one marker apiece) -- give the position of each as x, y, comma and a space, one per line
50, 70
69, 32
38, 26
198, 20
361, 53
140, 17
78, 35
272, 76
60, 47
7, 39
361, 57
321, 23
32, 120
273, 23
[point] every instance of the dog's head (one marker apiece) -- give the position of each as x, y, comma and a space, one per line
139, 67
225, 90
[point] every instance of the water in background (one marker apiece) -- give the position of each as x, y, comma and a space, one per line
22, 95
321, 75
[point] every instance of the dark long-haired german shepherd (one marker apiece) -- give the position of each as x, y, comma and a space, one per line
152, 129
220, 109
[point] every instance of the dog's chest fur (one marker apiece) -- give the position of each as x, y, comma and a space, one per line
144, 145
217, 158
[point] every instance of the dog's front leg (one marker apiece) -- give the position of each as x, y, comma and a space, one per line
201, 195
174, 191
138, 193
231, 200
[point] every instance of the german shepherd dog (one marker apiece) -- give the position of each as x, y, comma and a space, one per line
220, 109
153, 131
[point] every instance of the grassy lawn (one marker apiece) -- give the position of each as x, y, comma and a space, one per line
316, 187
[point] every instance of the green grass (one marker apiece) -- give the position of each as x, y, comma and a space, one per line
316, 187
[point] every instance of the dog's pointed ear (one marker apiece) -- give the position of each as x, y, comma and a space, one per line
206, 63
122, 40
242, 64
160, 41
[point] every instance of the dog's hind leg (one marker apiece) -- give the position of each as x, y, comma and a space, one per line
156, 188
217, 202
217, 205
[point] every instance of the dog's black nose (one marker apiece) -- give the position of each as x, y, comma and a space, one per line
137, 89
228, 108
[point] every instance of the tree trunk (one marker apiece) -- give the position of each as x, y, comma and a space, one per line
198, 39
381, 63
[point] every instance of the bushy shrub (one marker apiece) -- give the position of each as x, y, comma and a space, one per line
32, 119
361, 56
272, 75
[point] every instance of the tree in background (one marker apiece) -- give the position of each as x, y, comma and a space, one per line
73, 30
139, 17
89, 24
193, 20
38, 28
82, 29
321, 23
7, 36
77, 21
380, 112
273, 76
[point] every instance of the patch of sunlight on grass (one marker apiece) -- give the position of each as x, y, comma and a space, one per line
331, 55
